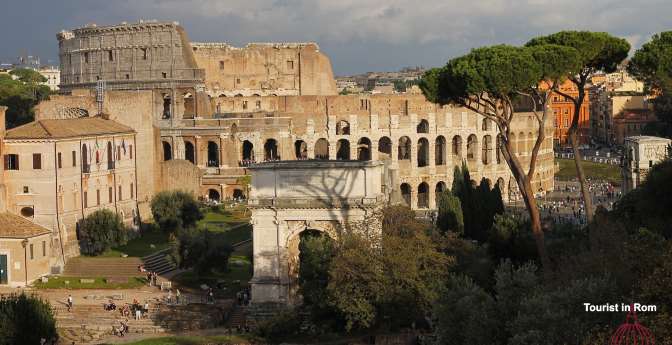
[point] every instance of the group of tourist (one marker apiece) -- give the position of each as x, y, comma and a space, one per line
243, 297
152, 278
121, 329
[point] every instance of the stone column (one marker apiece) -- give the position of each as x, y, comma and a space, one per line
332, 149
197, 152
414, 197
431, 193
374, 150
353, 147
311, 149
432, 161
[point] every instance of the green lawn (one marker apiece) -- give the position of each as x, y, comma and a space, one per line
238, 274
150, 242
99, 283
192, 340
593, 170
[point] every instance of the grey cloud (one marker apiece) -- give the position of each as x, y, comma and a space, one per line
359, 35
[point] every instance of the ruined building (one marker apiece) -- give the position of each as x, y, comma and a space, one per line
203, 112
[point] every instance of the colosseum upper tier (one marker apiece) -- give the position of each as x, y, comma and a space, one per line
222, 108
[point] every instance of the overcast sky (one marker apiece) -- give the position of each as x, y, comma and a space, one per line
358, 35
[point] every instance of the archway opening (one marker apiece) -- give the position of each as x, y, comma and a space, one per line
213, 195
440, 150
472, 147
404, 148
213, 154
423, 126
167, 151
457, 146
499, 155
271, 150
406, 194
423, 152
322, 149
487, 150
248, 152
189, 152
189, 108
384, 148
309, 265
301, 149
440, 188
423, 195
238, 194
343, 149
364, 149
167, 101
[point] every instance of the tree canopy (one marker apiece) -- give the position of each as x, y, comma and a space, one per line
652, 63
175, 210
100, 231
21, 95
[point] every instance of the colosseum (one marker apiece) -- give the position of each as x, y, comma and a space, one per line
222, 108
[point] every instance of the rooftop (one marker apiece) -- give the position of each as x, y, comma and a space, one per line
67, 128
13, 226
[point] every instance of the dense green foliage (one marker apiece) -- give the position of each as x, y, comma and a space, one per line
450, 216
21, 95
202, 250
175, 210
25, 320
316, 251
479, 203
100, 231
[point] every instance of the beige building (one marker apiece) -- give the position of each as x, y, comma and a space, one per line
25, 250
56, 172
641, 153
53, 76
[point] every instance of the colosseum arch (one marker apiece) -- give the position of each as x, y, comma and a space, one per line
384, 148
189, 152
472, 147
343, 149
457, 146
404, 148
271, 150
213, 154
321, 149
300, 149
440, 150
405, 189
487, 150
213, 195
167, 106
423, 126
247, 151
423, 195
440, 188
167, 151
423, 152
364, 149
342, 128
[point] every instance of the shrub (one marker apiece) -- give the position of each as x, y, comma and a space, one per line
25, 320
100, 231
280, 327
203, 251
175, 210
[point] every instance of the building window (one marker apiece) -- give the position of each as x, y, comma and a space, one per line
244, 104
26, 190
650, 164
44, 248
60, 161
221, 65
120, 196
128, 76
258, 104
237, 80
132, 192
32, 254
74, 158
566, 111
109, 194
97, 197
290, 64
12, 162
86, 199
86, 57
118, 153
110, 55
37, 161
144, 53
164, 74
27, 212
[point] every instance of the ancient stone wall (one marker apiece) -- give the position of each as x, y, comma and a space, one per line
125, 54
180, 174
264, 69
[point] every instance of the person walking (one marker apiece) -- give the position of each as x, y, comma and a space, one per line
177, 296
70, 302
170, 296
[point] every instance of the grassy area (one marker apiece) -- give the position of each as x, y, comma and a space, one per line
229, 215
150, 242
192, 340
99, 283
228, 221
611, 173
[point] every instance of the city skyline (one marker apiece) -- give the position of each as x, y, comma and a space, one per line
359, 36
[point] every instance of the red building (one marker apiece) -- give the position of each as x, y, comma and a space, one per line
563, 113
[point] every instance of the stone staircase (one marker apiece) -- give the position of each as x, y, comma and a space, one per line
105, 267
158, 262
87, 324
237, 317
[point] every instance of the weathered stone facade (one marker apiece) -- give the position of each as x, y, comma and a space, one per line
641, 153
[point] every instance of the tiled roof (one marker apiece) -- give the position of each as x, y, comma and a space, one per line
14, 226
67, 128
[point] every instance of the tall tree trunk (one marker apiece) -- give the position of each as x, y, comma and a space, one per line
585, 193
